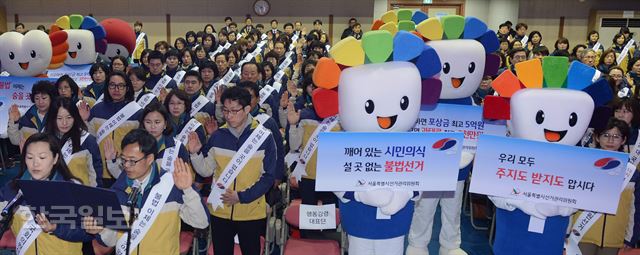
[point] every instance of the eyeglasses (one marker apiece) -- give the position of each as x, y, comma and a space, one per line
226, 111
129, 162
615, 137
120, 86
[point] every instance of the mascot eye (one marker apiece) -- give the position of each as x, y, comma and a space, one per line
540, 117
118, 52
404, 103
446, 68
369, 107
472, 67
573, 119
33, 54
79, 45
11, 55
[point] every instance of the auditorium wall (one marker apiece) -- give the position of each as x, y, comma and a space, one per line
188, 15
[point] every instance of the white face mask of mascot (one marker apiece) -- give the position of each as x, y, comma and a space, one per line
85, 37
382, 97
551, 115
121, 38
25, 55
462, 66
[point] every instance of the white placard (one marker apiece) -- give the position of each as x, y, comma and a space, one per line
318, 216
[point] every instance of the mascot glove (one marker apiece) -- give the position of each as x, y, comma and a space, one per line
374, 197
399, 201
466, 159
549, 210
511, 204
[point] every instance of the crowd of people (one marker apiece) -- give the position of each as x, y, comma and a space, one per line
70, 132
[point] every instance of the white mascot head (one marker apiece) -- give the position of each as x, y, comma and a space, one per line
25, 55
379, 87
86, 38
550, 101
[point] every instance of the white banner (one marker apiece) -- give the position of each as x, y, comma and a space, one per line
624, 52
146, 99
67, 148
148, 214
312, 144
238, 161
179, 75
191, 126
28, 233
265, 92
170, 156
162, 83
117, 119
200, 102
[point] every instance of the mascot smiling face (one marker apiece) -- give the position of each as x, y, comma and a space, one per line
552, 115
380, 97
82, 49
25, 55
462, 66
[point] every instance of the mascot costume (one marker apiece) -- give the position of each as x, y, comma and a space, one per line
30, 54
549, 101
374, 85
120, 38
463, 47
85, 37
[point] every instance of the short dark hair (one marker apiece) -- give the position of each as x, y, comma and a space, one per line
503, 25
172, 53
128, 96
611, 124
228, 18
251, 86
139, 72
148, 144
72, 84
164, 44
43, 87
273, 20
180, 94
562, 40
233, 24
123, 59
317, 22
260, 26
264, 64
250, 63
210, 65
236, 93
193, 73
353, 19
95, 66
519, 25
137, 23
224, 54
542, 50
516, 50
156, 106
19, 24
156, 55
288, 25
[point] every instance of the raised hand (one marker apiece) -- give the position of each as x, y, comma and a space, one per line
44, 223
84, 110
182, 175
293, 116
194, 145
109, 150
14, 113
211, 125
90, 225
292, 88
284, 100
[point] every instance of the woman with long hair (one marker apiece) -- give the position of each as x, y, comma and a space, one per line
42, 161
80, 150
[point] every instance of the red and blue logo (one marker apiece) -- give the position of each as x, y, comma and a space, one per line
444, 144
607, 163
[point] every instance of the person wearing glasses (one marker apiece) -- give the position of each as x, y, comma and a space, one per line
139, 150
618, 82
612, 232
110, 131
244, 210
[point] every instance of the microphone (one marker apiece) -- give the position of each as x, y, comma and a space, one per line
135, 191
7, 209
